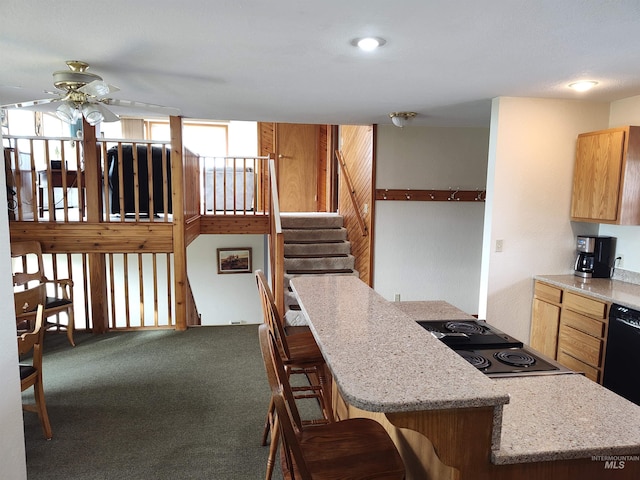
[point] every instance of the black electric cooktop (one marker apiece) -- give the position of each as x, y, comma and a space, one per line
490, 350
469, 334
502, 362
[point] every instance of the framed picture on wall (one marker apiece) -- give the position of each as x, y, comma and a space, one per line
234, 260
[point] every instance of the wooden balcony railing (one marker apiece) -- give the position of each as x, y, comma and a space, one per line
116, 216
234, 185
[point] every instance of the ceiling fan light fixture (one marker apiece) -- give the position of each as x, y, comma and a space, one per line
67, 112
92, 113
400, 119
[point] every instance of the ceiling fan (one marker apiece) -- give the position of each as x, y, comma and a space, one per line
83, 93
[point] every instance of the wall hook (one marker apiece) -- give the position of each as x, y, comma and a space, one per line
453, 195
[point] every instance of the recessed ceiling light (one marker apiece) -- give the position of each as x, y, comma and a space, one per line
583, 86
368, 44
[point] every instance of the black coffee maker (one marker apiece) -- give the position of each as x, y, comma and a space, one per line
595, 256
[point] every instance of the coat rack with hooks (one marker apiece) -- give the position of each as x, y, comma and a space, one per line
452, 194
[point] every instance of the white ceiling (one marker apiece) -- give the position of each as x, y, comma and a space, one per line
292, 60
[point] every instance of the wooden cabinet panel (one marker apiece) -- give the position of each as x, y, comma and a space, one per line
547, 292
606, 181
578, 366
587, 306
596, 181
544, 327
580, 345
588, 325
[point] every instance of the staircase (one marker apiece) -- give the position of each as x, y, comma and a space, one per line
314, 244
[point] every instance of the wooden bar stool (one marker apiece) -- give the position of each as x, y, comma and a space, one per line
357, 448
300, 354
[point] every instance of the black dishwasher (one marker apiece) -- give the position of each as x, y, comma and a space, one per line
622, 360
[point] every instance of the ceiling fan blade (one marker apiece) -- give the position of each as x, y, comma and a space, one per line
98, 89
32, 103
108, 115
161, 109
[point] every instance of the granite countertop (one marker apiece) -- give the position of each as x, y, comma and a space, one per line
559, 417
606, 289
381, 360
432, 310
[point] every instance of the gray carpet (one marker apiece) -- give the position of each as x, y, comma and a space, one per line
152, 405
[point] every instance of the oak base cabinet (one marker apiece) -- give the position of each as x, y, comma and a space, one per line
571, 328
545, 316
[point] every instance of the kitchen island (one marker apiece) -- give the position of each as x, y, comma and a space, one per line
448, 419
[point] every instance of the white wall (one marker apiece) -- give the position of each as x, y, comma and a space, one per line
430, 250
226, 298
625, 112
12, 452
531, 158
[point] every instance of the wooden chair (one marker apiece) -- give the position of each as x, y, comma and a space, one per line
31, 374
58, 293
300, 355
357, 448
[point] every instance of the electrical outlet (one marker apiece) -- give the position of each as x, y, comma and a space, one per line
499, 245
620, 261
396, 297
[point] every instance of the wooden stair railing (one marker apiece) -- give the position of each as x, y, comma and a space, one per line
276, 243
352, 193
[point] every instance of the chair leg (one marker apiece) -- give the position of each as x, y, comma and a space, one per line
268, 421
70, 326
41, 408
273, 448
325, 397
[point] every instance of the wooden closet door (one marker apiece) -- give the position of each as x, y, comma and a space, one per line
297, 160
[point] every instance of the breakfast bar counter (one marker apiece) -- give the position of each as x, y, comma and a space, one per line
468, 426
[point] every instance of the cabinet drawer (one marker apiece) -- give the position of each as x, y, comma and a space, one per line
585, 324
578, 366
586, 306
580, 345
548, 293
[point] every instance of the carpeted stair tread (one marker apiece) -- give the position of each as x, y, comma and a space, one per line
311, 255
311, 220
323, 262
312, 248
319, 272
319, 235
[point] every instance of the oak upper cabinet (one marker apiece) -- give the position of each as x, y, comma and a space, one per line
606, 181
545, 318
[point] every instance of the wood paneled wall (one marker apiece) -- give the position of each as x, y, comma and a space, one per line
358, 150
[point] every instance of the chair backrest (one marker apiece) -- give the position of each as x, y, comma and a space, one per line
283, 398
33, 339
28, 300
271, 315
25, 251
